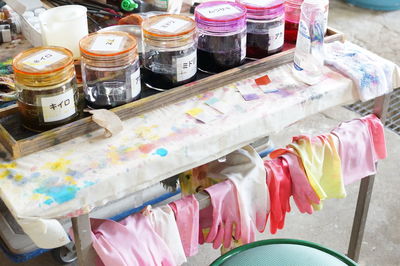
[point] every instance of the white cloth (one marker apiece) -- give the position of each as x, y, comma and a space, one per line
163, 221
373, 75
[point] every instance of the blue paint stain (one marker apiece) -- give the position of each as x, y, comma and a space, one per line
75, 174
88, 183
58, 194
162, 152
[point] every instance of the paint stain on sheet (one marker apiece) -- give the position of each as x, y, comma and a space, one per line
161, 152
58, 194
59, 165
146, 148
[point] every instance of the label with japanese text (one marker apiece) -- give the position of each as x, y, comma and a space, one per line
218, 11
186, 66
276, 37
59, 107
43, 59
107, 43
135, 83
171, 25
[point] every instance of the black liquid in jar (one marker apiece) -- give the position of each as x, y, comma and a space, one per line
219, 53
159, 69
259, 39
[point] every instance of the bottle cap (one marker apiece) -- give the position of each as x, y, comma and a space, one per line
128, 5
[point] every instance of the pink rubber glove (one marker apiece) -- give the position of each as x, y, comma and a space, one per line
132, 242
303, 193
356, 150
225, 215
377, 133
186, 212
280, 190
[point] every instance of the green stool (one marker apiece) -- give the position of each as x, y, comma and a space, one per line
282, 252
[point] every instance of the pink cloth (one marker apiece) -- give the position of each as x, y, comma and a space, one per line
186, 212
356, 150
130, 242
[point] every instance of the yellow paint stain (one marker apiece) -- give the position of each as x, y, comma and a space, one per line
70, 180
8, 165
113, 155
37, 196
144, 131
4, 174
18, 177
59, 165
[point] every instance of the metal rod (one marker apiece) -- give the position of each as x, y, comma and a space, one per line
83, 241
381, 105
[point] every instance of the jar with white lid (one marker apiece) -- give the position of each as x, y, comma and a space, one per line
110, 69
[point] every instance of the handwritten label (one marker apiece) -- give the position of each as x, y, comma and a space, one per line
59, 107
44, 59
218, 11
186, 66
205, 115
170, 25
136, 86
276, 37
107, 43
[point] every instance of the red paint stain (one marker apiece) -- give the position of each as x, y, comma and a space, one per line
146, 148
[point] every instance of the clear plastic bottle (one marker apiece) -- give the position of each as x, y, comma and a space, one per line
309, 52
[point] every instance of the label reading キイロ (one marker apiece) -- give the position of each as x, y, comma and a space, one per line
59, 107
170, 25
135, 83
243, 47
43, 59
107, 43
186, 66
276, 37
218, 11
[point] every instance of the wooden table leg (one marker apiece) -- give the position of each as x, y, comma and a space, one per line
364, 195
83, 241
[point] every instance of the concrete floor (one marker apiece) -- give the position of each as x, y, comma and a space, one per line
379, 32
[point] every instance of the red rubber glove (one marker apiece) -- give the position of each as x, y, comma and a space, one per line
280, 190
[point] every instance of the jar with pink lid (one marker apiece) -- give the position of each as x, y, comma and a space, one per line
265, 27
221, 29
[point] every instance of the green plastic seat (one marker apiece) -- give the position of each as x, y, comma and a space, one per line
282, 252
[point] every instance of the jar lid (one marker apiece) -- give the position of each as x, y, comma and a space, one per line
263, 8
170, 25
107, 44
43, 66
220, 14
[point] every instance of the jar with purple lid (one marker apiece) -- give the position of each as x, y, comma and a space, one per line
221, 29
265, 27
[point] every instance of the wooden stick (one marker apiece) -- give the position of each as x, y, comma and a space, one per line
83, 241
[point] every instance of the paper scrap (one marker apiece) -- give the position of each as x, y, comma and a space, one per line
265, 84
205, 115
248, 92
107, 120
218, 105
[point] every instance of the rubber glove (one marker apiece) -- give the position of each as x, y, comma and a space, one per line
186, 212
280, 190
164, 224
322, 164
132, 242
245, 168
226, 222
377, 133
356, 150
303, 194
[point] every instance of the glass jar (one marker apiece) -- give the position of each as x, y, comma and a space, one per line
265, 27
169, 51
47, 92
221, 27
292, 19
110, 69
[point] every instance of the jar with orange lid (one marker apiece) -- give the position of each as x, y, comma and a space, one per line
169, 51
47, 92
110, 69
